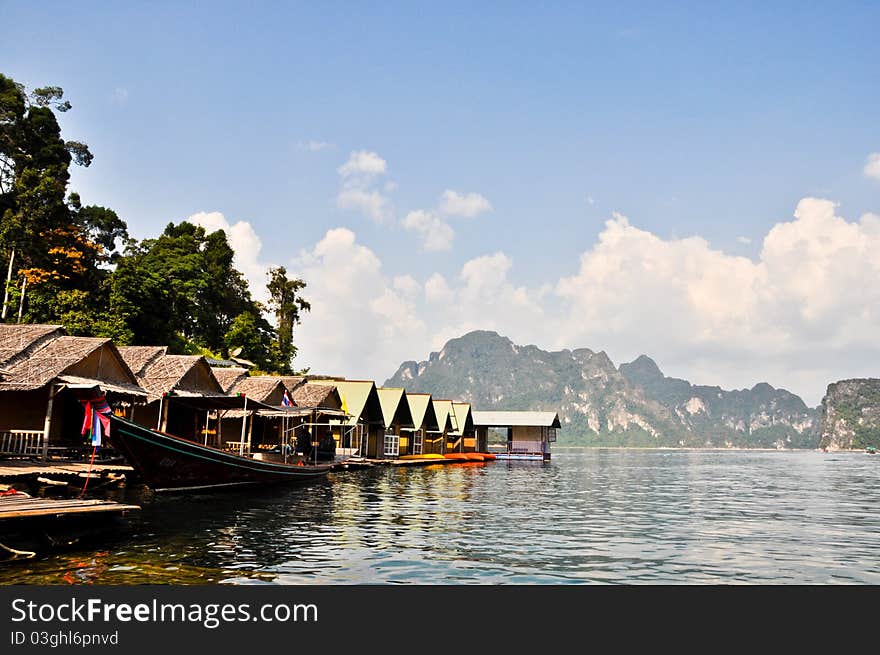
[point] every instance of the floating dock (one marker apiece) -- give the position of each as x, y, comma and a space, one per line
23, 506
11, 470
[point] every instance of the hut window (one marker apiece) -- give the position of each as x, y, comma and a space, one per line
418, 439
551, 434
392, 445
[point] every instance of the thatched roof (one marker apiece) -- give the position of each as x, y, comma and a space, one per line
227, 376
17, 341
182, 374
69, 355
293, 382
139, 358
261, 388
316, 395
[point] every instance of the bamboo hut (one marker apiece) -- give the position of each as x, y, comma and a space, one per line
398, 422
266, 427
462, 439
363, 424
39, 413
425, 425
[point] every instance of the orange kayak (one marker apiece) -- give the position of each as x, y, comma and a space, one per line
488, 457
462, 456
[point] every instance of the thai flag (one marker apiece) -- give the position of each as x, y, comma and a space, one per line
285, 400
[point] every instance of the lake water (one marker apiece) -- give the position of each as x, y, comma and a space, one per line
586, 517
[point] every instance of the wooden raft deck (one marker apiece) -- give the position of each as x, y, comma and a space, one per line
22, 506
12, 469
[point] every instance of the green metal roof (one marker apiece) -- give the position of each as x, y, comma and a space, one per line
464, 421
354, 394
422, 410
395, 408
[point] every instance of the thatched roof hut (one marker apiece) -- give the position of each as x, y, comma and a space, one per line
139, 358
17, 341
317, 395
266, 389
184, 375
228, 376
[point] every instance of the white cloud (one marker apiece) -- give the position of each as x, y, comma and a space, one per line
872, 166
369, 202
361, 319
436, 234
359, 178
802, 314
361, 162
468, 205
246, 244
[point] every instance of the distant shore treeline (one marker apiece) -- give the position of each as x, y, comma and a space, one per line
76, 265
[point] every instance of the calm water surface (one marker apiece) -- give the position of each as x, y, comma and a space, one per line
587, 517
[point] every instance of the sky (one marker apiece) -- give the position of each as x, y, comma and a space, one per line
699, 182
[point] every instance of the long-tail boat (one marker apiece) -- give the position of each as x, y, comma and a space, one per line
170, 463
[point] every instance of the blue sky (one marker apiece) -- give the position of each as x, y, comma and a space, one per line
691, 119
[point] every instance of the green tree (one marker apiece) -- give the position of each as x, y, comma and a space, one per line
60, 247
287, 304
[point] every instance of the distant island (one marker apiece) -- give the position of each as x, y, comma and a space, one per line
635, 404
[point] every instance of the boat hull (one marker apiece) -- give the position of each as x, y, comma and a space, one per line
169, 463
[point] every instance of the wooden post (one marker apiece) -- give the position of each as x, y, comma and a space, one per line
21, 301
47, 422
164, 427
243, 422
6, 288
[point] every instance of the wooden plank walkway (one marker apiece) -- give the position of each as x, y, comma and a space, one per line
19, 506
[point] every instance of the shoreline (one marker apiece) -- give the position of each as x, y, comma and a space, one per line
711, 449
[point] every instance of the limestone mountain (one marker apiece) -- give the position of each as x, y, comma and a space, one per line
851, 415
599, 404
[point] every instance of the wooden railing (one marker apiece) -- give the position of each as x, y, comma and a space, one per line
21, 443
526, 447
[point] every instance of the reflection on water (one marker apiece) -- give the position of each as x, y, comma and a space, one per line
594, 516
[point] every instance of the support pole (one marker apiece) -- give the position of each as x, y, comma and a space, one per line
47, 422
243, 423
21, 300
8, 282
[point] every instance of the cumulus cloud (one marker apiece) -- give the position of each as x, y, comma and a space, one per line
802, 315
361, 317
804, 312
468, 204
359, 178
246, 244
435, 233
872, 166
361, 162
431, 225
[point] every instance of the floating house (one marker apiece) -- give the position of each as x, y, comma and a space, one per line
169, 381
529, 434
462, 438
41, 369
363, 425
446, 424
398, 422
426, 428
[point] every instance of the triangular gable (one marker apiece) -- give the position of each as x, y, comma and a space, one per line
464, 421
395, 408
359, 399
422, 409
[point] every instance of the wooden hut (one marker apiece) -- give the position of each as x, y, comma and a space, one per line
266, 427
445, 423
529, 434
228, 376
41, 366
363, 426
398, 422
425, 425
167, 377
462, 438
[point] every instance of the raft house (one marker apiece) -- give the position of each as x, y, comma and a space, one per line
529, 434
